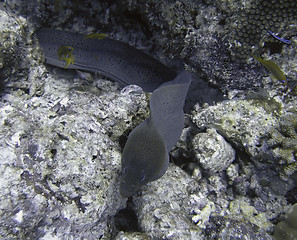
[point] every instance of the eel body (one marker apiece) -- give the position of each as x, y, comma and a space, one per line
115, 59
145, 156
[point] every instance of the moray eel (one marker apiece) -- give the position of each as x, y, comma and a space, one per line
115, 59
145, 156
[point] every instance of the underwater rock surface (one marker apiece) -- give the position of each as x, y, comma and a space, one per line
212, 151
59, 165
62, 132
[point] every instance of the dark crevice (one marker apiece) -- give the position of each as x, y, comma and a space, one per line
291, 195
126, 219
79, 204
274, 47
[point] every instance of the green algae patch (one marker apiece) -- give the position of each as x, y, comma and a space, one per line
240, 209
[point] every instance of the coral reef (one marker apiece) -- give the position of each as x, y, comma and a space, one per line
59, 164
212, 151
11, 35
265, 129
256, 19
283, 142
62, 132
243, 122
